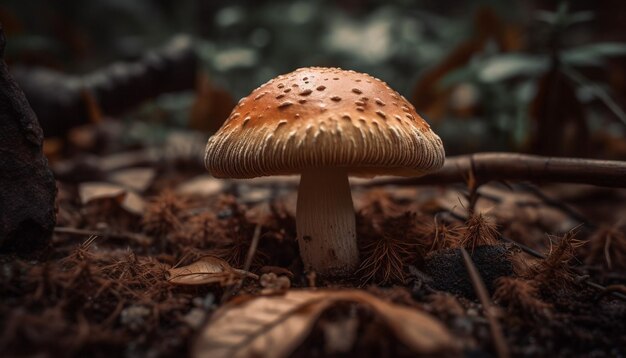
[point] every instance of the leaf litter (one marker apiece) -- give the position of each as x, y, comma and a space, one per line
207, 270
273, 326
155, 295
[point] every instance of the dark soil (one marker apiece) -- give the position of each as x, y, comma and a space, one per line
108, 295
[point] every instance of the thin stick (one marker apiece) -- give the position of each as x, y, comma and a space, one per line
563, 207
607, 252
253, 246
526, 249
246, 267
586, 281
539, 255
489, 309
139, 238
74, 231
486, 167
600, 92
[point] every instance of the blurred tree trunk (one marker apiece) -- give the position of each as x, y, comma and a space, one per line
560, 123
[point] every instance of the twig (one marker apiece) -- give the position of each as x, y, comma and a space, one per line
612, 289
472, 185
138, 238
489, 309
607, 252
539, 255
535, 191
520, 167
569, 211
253, 246
532, 252
580, 276
602, 94
246, 267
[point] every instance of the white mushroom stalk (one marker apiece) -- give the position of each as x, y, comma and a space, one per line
325, 222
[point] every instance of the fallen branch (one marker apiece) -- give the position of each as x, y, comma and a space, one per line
520, 167
63, 101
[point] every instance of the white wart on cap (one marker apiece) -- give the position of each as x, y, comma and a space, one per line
325, 124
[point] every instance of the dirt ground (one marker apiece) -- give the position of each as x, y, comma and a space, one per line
104, 286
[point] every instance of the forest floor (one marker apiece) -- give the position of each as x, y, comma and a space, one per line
148, 248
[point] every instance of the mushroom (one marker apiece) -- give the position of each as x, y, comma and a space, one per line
324, 124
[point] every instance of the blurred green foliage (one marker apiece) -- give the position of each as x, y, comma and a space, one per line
242, 44
506, 83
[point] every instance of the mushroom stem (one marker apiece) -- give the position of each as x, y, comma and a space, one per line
325, 222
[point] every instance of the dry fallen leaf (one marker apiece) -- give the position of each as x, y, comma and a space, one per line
129, 159
91, 191
138, 179
340, 335
184, 145
274, 326
207, 270
202, 185
128, 200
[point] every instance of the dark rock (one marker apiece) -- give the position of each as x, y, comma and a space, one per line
447, 269
27, 186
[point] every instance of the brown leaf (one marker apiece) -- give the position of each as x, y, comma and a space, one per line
207, 270
275, 326
117, 161
340, 335
128, 200
91, 191
202, 185
138, 179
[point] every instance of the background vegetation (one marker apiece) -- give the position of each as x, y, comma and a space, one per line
536, 76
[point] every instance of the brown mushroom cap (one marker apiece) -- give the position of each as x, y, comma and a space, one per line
323, 117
